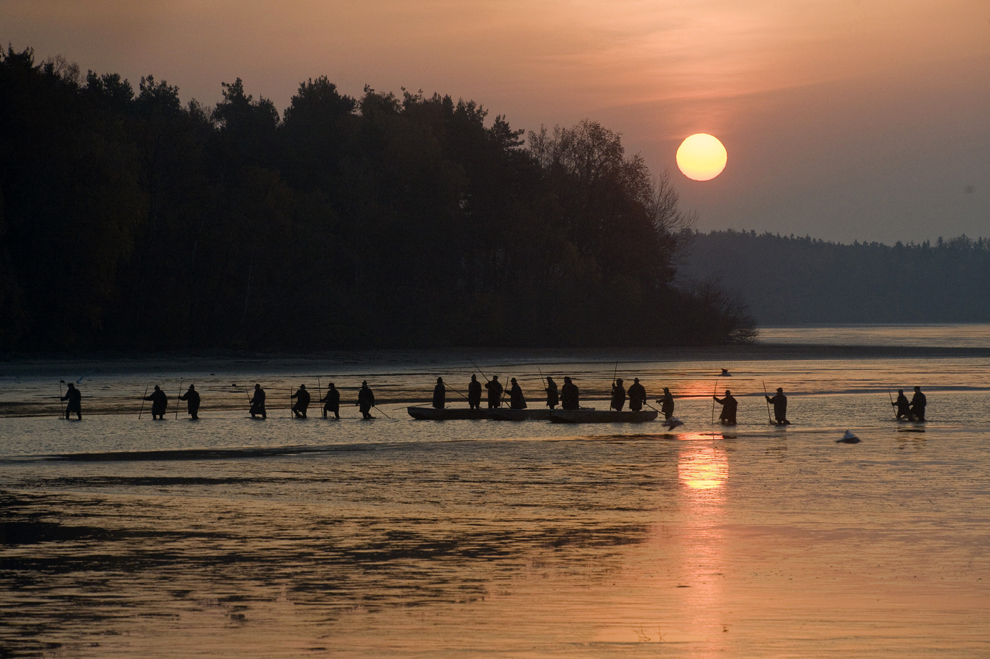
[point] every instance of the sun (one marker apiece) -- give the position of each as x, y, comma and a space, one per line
701, 157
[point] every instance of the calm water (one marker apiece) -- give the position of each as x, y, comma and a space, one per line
230, 537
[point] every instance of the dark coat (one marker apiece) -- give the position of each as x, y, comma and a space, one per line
258, 402
553, 397
667, 404
474, 393
516, 399
729, 406
779, 402
637, 396
332, 400
494, 393
74, 397
439, 396
618, 397
366, 398
192, 400
303, 397
159, 402
569, 396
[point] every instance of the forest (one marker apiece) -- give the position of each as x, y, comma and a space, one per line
132, 221
787, 280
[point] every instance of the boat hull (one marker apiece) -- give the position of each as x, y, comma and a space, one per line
423, 413
508, 414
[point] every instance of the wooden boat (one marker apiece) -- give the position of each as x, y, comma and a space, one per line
424, 413
602, 416
509, 414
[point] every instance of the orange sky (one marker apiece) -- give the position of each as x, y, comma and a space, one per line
843, 119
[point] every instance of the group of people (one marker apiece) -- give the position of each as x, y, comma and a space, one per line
913, 410
567, 396
302, 398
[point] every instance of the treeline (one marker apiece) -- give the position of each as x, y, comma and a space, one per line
132, 221
790, 280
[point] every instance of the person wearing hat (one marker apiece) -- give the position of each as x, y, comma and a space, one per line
302, 404
729, 405
666, 404
366, 400
494, 388
332, 401
637, 396
779, 407
569, 395
516, 399
439, 394
474, 393
192, 402
159, 403
618, 395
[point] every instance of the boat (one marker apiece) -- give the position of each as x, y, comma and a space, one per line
602, 416
424, 413
509, 414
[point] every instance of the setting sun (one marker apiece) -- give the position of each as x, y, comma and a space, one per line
701, 157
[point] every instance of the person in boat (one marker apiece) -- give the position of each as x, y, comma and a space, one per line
439, 395
494, 392
258, 403
474, 393
366, 400
302, 402
779, 402
729, 405
553, 397
918, 404
902, 405
192, 402
75, 402
569, 396
666, 404
516, 399
618, 395
637, 396
159, 403
332, 401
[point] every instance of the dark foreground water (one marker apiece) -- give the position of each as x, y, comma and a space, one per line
236, 538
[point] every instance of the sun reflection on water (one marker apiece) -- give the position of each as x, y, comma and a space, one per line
702, 467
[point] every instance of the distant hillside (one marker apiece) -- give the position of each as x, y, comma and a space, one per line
788, 280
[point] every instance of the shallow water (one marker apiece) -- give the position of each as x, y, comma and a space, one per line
228, 537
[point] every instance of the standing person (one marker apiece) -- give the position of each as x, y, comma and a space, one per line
75, 402
366, 400
553, 397
516, 399
159, 403
494, 392
618, 395
779, 407
902, 405
332, 401
439, 395
192, 402
302, 404
729, 405
474, 393
569, 395
666, 404
258, 402
918, 404
637, 396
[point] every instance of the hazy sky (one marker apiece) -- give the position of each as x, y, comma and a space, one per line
843, 119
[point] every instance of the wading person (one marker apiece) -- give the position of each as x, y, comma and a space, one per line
637, 396
666, 404
332, 401
494, 392
779, 402
918, 404
258, 403
618, 395
569, 395
902, 405
159, 403
474, 393
516, 399
75, 402
366, 400
439, 395
302, 402
729, 405
192, 402
553, 397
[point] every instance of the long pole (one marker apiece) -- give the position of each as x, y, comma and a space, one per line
142, 401
383, 412
177, 400
480, 371
765, 397
714, 391
545, 388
